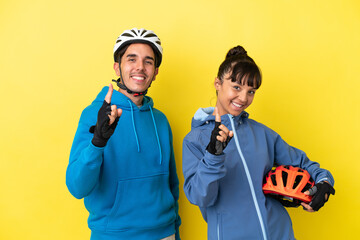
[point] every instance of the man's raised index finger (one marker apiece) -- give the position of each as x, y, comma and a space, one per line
109, 94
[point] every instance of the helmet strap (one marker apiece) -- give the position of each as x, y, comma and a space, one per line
121, 84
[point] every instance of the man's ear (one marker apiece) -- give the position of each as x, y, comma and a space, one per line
155, 73
117, 68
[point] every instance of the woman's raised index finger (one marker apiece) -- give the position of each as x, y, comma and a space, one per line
109, 94
217, 115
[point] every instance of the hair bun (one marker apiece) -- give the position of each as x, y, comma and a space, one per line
237, 51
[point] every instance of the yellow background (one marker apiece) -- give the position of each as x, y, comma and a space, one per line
56, 55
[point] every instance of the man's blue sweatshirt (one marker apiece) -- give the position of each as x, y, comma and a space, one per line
130, 186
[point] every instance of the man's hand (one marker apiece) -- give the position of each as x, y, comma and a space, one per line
107, 119
220, 136
115, 113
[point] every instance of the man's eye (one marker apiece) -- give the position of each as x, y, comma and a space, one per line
149, 62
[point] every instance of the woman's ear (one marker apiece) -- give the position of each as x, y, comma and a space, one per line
217, 84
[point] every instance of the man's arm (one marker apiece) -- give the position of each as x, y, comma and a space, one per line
86, 156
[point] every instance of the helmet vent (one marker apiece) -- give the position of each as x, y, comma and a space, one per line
150, 35
307, 187
126, 35
284, 178
133, 32
273, 179
297, 181
143, 31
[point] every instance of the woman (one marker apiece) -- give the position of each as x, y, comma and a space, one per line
226, 156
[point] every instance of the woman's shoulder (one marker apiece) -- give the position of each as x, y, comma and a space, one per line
196, 135
255, 124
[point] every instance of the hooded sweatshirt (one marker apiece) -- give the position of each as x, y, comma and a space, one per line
130, 186
228, 187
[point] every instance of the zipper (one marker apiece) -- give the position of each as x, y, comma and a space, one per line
248, 178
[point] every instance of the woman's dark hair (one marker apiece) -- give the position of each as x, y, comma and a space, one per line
243, 68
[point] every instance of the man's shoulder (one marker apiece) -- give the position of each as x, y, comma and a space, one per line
90, 112
158, 113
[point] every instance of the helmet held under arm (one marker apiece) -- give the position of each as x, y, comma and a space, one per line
288, 184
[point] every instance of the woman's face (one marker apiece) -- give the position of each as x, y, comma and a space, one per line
233, 98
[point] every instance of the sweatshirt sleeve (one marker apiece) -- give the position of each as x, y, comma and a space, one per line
202, 171
288, 155
83, 171
174, 187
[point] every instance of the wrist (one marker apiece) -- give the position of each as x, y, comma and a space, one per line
98, 142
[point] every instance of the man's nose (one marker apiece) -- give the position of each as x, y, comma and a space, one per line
140, 65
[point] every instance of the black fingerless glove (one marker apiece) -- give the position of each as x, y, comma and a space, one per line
216, 147
319, 191
102, 130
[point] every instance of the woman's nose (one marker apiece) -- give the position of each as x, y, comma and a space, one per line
242, 96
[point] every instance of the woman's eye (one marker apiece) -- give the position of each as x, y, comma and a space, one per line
252, 92
236, 87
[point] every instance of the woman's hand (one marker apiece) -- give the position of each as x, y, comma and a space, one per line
321, 193
220, 136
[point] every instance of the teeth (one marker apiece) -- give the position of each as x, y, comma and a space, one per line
237, 105
138, 78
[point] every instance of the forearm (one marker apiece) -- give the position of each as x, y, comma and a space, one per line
83, 172
201, 179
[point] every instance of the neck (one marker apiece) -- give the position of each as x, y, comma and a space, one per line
137, 100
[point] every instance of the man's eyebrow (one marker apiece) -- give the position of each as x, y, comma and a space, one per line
131, 55
148, 57
134, 55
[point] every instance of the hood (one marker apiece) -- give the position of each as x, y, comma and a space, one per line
204, 116
122, 101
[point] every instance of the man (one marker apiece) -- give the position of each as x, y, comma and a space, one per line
122, 160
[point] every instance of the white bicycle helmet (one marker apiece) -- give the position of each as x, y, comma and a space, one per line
139, 36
